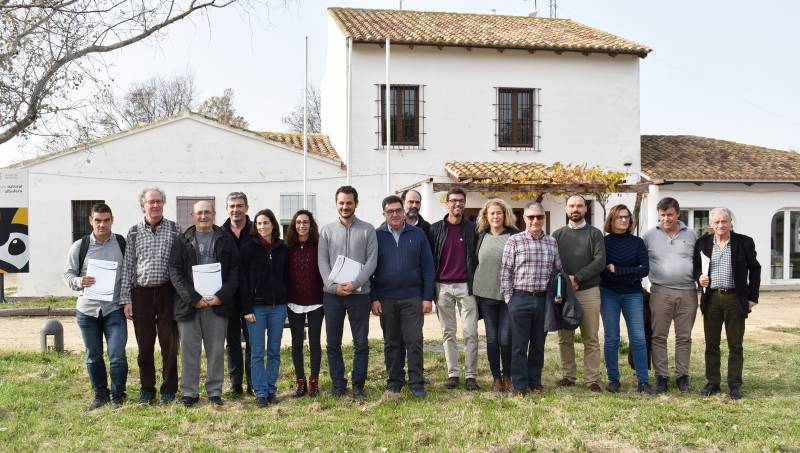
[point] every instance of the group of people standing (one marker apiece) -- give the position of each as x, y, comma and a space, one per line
486, 269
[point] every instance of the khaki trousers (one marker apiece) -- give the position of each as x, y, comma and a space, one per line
590, 325
450, 297
668, 305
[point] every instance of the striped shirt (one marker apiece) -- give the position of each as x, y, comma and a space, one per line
147, 256
528, 263
721, 268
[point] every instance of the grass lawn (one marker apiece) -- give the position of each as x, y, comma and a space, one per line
44, 398
52, 302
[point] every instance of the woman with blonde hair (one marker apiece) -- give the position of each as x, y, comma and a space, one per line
495, 224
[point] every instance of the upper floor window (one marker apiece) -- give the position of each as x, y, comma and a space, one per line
405, 115
518, 118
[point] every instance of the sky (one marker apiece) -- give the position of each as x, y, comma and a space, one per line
720, 69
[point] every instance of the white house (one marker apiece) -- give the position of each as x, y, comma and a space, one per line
471, 93
489, 103
760, 186
188, 155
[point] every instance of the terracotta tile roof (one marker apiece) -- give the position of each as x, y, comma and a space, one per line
479, 30
318, 144
691, 158
527, 173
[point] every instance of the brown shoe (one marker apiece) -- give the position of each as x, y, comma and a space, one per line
595, 388
302, 389
539, 390
564, 382
507, 383
313, 386
499, 386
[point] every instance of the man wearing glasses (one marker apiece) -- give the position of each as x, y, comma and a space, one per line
530, 260
402, 292
454, 241
582, 250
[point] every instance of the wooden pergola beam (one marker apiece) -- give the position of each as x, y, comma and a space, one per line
544, 187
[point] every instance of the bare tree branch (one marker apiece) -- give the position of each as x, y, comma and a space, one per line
46, 48
295, 119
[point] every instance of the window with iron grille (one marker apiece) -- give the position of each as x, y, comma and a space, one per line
518, 119
407, 117
291, 203
80, 217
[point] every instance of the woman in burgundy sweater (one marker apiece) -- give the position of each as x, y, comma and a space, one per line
305, 298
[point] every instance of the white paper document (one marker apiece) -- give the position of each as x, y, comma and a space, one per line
105, 276
207, 278
345, 270
704, 263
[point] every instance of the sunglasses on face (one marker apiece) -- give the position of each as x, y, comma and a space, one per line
535, 217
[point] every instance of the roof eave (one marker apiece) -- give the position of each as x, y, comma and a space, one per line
727, 181
559, 50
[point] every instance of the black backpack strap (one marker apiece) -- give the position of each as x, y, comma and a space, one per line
121, 242
84, 249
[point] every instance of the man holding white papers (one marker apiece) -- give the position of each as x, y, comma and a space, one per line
95, 317
402, 292
673, 294
345, 292
204, 269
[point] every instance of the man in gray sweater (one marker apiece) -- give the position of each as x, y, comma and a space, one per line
355, 239
583, 255
673, 294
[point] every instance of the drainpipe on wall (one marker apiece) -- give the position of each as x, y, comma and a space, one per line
348, 102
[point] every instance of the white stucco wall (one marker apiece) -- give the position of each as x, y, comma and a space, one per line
186, 157
590, 109
752, 206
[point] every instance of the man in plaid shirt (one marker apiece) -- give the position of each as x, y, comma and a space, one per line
146, 294
530, 260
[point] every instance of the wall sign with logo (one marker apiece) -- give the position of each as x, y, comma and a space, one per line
14, 243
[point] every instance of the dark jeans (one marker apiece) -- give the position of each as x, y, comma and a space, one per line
153, 315
498, 336
297, 323
724, 310
402, 321
237, 328
115, 329
526, 315
357, 309
631, 306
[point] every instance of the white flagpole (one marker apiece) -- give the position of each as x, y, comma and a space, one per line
388, 124
305, 127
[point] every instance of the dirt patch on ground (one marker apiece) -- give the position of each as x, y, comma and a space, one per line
779, 308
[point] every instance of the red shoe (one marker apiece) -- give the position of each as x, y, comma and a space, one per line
301, 387
313, 386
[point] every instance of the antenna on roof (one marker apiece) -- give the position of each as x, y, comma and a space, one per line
553, 9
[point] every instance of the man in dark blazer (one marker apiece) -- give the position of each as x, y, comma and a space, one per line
726, 267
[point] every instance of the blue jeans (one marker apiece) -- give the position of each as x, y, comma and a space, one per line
498, 336
632, 307
270, 320
357, 308
115, 328
526, 315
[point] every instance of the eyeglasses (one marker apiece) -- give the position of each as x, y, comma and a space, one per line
457, 201
302, 222
397, 211
535, 217
622, 217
